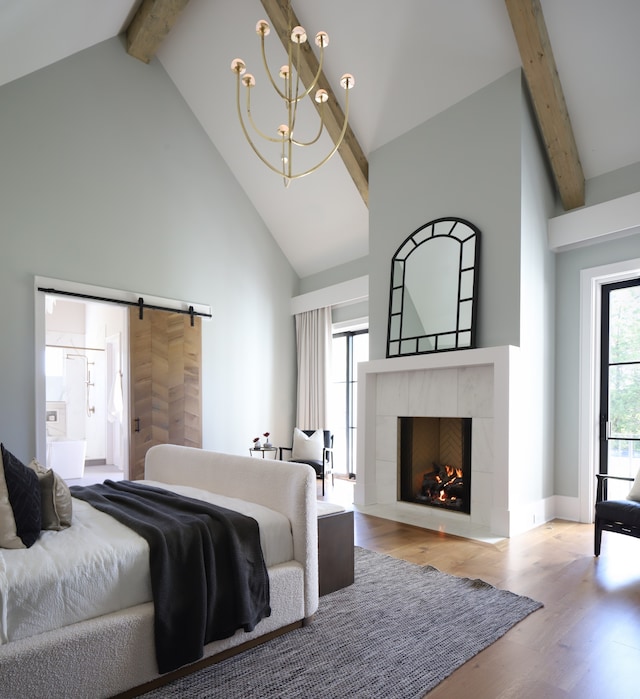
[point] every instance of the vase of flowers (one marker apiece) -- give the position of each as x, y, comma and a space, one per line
267, 443
256, 442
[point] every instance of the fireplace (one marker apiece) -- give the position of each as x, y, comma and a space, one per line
476, 383
434, 462
485, 384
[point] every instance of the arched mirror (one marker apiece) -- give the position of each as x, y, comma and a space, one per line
434, 282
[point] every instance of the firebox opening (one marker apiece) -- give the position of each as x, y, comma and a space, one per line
435, 461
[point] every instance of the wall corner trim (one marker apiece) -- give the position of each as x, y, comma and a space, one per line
347, 292
592, 223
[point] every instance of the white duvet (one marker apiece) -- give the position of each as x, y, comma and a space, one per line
98, 566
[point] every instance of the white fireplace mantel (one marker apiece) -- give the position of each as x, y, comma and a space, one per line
477, 383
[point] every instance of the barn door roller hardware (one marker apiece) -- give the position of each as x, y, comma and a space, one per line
139, 303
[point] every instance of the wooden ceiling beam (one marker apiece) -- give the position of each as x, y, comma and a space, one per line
150, 25
350, 151
546, 92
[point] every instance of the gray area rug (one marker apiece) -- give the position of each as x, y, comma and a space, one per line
397, 632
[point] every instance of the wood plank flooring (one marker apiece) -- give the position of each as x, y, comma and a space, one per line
584, 643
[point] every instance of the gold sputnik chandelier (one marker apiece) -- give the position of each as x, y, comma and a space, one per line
292, 93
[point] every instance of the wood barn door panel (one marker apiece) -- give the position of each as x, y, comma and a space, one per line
166, 403
140, 387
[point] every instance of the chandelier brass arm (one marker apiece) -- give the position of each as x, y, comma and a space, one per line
298, 38
291, 97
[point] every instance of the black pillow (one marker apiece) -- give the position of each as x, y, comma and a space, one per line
23, 489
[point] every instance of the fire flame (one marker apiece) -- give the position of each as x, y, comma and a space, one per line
442, 482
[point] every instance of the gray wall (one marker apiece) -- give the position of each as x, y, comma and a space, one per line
106, 178
612, 185
464, 162
537, 317
351, 313
335, 275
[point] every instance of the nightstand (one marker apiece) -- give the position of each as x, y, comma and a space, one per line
335, 547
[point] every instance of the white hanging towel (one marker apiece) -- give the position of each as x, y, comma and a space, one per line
114, 411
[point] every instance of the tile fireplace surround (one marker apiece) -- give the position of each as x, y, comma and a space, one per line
475, 383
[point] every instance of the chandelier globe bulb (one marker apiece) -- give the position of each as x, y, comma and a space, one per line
322, 39
298, 35
238, 66
347, 81
263, 28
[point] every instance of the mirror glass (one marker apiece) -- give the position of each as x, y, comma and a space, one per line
434, 281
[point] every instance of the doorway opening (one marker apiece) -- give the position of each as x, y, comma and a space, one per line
131, 378
86, 408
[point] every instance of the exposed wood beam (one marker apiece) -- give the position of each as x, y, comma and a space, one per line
150, 25
548, 99
350, 151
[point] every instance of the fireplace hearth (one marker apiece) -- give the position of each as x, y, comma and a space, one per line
435, 462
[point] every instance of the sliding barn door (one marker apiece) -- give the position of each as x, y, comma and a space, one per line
166, 391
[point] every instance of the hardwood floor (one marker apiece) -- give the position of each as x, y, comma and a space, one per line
583, 644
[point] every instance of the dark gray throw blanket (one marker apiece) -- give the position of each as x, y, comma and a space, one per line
208, 574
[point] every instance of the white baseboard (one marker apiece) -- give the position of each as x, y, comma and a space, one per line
534, 514
567, 508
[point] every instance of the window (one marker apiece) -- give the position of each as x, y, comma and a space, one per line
349, 348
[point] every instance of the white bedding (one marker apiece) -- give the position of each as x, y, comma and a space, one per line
98, 566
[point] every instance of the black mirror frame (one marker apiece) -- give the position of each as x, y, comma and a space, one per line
463, 231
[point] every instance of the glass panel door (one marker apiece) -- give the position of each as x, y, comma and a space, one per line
338, 408
348, 349
620, 384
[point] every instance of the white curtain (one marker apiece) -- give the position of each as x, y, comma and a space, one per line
313, 339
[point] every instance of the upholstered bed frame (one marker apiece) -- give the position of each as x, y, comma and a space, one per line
114, 654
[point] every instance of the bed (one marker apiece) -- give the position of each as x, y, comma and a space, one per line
76, 616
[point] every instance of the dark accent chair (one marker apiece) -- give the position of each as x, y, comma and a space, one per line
620, 516
321, 467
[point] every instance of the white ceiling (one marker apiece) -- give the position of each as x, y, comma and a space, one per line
411, 59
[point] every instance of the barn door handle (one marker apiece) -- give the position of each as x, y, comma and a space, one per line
136, 424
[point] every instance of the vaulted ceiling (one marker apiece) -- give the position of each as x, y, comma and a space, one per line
580, 59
